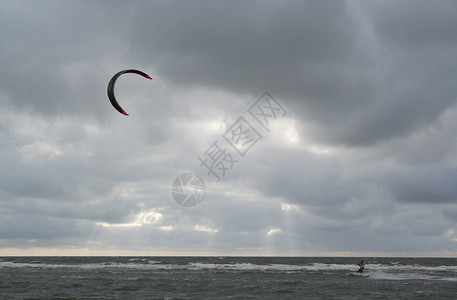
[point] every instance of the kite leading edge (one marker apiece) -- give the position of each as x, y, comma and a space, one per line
111, 84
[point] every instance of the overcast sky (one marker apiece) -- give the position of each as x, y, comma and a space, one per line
362, 160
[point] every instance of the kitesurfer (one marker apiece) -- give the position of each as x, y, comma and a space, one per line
361, 266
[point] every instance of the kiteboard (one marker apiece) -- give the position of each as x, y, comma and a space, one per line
358, 274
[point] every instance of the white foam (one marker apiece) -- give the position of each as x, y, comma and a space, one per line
397, 267
392, 271
274, 267
80, 266
379, 274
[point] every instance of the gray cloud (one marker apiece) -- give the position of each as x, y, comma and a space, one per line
429, 185
367, 150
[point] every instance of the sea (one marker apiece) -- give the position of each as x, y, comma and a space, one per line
226, 278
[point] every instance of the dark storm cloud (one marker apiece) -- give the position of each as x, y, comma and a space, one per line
426, 24
413, 65
54, 59
340, 67
306, 51
41, 228
247, 44
451, 213
366, 72
424, 184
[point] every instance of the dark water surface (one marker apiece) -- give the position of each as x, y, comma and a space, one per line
226, 278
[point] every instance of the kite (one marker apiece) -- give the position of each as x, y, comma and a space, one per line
111, 96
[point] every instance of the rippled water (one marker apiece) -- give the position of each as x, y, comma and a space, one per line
225, 278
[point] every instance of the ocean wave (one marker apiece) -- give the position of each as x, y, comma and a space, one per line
375, 271
381, 275
415, 267
101, 265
